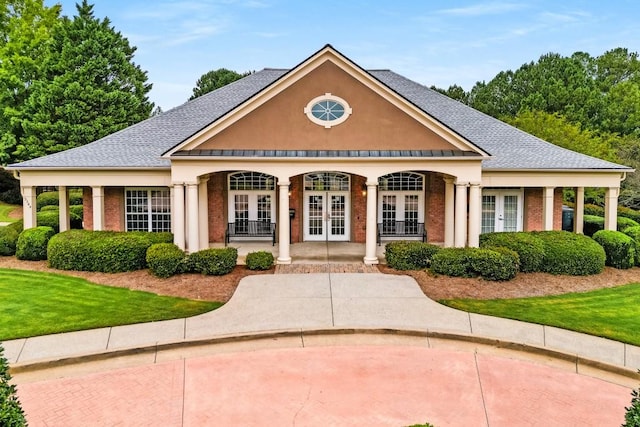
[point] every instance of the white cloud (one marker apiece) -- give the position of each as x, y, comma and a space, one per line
491, 8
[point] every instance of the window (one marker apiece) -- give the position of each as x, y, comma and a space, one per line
327, 110
501, 211
326, 181
148, 209
401, 181
401, 202
251, 196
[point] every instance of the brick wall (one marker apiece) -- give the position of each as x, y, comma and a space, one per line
87, 209
434, 208
217, 206
295, 202
113, 208
358, 209
533, 209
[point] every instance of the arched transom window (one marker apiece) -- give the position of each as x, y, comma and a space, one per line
248, 180
401, 181
326, 181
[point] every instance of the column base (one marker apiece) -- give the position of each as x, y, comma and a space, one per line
283, 260
371, 260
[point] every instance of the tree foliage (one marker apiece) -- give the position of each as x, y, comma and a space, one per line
215, 79
64, 82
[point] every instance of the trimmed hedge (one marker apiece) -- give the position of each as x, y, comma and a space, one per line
51, 198
629, 213
409, 255
570, 254
529, 248
214, 261
11, 413
624, 223
471, 262
260, 260
619, 248
165, 259
103, 251
32, 243
591, 224
634, 233
8, 241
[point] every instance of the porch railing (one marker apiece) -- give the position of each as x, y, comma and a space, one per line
248, 229
401, 229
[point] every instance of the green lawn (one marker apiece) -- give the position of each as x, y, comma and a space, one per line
611, 313
35, 303
5, 210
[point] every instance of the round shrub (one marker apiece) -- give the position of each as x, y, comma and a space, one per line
409, 255
51, 218
48, 198
75, 196
165, 259
619, 248
452, 262
8, 241
571, 254
260, 260
77, 211
50, 208
629, 213
529, 248
624, 223
495, 264
595, 210
32, 243
214, 261
634, 233
591, 224
17, 225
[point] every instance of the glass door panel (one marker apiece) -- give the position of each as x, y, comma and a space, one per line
337, 216
488, 214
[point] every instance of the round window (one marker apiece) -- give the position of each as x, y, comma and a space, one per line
327, 110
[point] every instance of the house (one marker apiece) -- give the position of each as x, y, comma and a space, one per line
325, 151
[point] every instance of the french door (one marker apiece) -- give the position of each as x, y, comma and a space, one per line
326, 216
501, 211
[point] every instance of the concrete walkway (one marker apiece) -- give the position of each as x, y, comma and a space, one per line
321, 349
331, 301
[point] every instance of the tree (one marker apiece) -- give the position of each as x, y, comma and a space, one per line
215, 79
454, 92
89, 88
25, 31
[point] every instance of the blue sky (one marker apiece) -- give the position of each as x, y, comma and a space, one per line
433, 42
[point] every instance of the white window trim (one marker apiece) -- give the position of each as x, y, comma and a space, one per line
253, 203
150, 212
500, 194
328, 123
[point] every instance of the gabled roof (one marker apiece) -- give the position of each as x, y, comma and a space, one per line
143, 144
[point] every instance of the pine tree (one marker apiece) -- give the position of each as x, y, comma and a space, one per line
91, 88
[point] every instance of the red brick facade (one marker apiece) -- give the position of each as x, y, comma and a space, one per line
533, 209
217, 200
113, 209
434, 208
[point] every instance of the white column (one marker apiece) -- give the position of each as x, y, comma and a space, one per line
283, 223
370, 256
178, 216
611, 208
63, 203
460, 238
98, 208
29, 208
547, 208
193, 234
578, 211
449, 212
203, 215
475, 213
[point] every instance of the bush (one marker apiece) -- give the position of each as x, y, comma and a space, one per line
11, 413
571, 254
591, 224
104, 251
32, 243
16, 225
632, 414
634, 233
624, 223
629, 213
51, 218
619, 248
165, 259
51, 198
215, 261
471, 262
409, 255
8, 241
260, 260
529, 248
50, 208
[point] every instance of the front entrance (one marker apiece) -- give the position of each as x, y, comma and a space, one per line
326, 216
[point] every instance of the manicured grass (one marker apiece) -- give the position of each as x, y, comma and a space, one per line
611, 313
5, 210
35, 303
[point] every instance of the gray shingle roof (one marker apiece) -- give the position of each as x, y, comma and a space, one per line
141, 145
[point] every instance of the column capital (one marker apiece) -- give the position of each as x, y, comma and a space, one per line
284, 183
448, 179
462, 184
475, 184
372, 183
